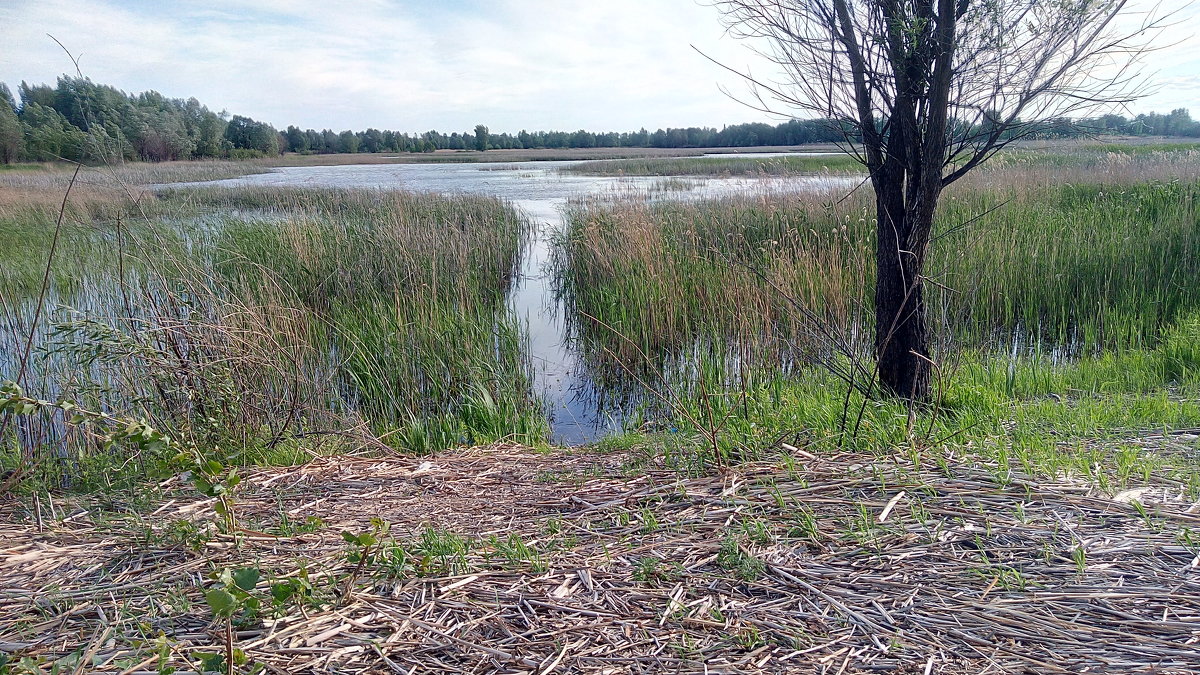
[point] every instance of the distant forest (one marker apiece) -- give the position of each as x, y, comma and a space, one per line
79, 120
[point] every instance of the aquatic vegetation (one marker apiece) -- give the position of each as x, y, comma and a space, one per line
246, 318
1075, 267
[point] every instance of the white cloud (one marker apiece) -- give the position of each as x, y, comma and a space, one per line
410, 65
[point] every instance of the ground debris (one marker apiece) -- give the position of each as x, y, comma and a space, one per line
572, 562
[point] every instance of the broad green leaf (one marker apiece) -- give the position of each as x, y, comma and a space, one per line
210, 663
221, 602
246, 578
282, 592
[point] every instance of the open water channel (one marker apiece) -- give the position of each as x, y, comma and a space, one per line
542, 192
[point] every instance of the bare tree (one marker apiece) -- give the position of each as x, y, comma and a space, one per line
928, 90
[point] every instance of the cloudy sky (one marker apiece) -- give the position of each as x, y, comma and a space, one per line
415, 65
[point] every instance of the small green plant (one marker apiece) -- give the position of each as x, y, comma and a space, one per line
393, 560
749, 639
743, 565
1080, 557
649, 520
440, 552
517, 554
160, 646
686, 647
290, 528
232, 601
362, 546
806, 525
26, 665
186, 533
1011, 579
758, 532
652, 569
622, 518
777, 495
213, 479
162, 652
1187, 538
863, 526
297, 590
1019, 512
1144, 513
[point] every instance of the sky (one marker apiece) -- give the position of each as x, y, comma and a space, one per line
409, 65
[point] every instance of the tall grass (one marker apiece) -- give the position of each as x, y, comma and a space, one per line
1083, 418
408, 291
249, 319
106, 188
1100, 259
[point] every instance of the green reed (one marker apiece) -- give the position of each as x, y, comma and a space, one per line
245, 317
1086, 267
409, 292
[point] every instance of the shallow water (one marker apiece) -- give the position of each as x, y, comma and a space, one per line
576, 409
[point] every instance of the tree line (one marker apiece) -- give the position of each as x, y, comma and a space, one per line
793, 132
80, 120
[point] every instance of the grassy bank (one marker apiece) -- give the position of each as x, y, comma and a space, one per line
1110, 420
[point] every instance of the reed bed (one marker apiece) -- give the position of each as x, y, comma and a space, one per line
55, 176
247, 320
784, 165
409, 290
107, 187
1082, 259
844, 563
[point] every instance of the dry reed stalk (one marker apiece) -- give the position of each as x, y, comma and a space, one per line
965, 573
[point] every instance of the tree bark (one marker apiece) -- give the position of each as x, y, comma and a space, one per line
901, 333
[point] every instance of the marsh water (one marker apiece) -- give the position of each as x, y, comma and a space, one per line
577, 410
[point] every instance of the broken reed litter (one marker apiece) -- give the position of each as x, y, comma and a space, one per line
505, 560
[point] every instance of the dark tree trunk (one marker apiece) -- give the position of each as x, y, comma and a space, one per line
905, 159
901, 334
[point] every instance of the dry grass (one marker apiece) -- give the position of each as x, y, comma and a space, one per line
42, 186
841, 564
